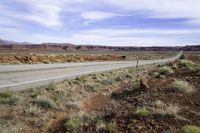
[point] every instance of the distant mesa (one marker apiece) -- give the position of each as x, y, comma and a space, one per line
25, 46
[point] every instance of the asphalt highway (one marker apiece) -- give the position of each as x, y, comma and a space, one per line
17, 77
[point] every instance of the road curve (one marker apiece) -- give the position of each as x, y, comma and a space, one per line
17, 77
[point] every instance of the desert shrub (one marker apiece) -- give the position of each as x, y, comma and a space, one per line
194, 69
16, 62
136, 84
46, 62
128, 76
60, 93
72, 124
187, 63
182, 86
45, 102
73, 105
51, 86
6, 97
182, 56
174, 67
118, 78
33, 111
100, 125
154, 74
9, 100
90, 88
5, 94
56, 99
107, 82
165, 70
190, 129
142, 112
34, 94
110, 126
162, 109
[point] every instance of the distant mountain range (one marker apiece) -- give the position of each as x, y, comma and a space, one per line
7, 42
25, 46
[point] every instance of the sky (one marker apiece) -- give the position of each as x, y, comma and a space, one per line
102, 22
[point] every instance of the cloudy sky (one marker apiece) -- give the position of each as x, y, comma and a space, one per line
102, 22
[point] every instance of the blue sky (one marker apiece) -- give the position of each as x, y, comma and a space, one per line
102, 22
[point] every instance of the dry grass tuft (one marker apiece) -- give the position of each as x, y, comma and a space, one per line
187, 63
45, 102
162, 109
165, 70
182, 86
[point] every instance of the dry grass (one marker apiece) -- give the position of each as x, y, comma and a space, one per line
190, 129
73, 105
45, 102
51, 86
72, 124
187, 63
182, 86
162, 109
165, 70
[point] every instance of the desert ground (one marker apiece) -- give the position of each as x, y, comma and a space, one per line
85, 56
150, 98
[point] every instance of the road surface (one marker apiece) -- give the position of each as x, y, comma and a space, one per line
17, 77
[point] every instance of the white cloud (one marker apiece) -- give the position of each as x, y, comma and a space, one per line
44, 12
97, 15
48, 13
161, 8
117, 37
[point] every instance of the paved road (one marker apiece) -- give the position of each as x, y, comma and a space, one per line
18, 77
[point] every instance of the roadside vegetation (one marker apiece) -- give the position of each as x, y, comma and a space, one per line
190, 129
182, 86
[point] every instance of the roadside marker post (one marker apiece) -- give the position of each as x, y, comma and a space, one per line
137, 65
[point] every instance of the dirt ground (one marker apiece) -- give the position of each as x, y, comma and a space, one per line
121, 107
52, 58
34, 58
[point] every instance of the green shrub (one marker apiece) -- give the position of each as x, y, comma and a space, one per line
10, 100
110, 126
46, 62
165, 70
5, 94
194, 69
73, 123
182, 86
51, 86
16, 62
187, 63
136, 84
142, 112
190, 129
45, 102
154, 74
182, 56
90, 87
